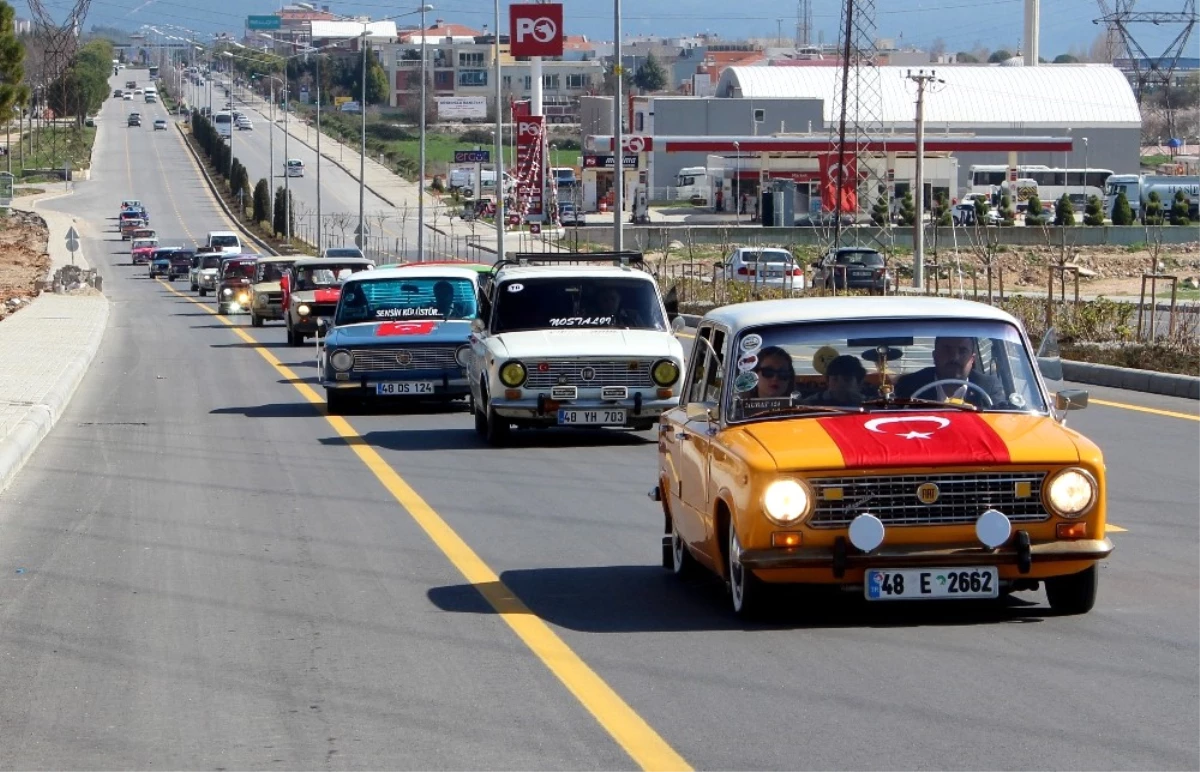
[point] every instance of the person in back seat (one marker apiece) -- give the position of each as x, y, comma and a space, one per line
844, 378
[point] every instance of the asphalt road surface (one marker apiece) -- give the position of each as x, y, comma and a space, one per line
203, 571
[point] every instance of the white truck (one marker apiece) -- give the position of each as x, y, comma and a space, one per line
1137, 188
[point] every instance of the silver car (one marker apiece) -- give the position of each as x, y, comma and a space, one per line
772, 267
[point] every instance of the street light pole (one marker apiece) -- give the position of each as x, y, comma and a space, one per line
421, 152
362, 158
287, 191
617, 149
737, 177
499, 145
320, 245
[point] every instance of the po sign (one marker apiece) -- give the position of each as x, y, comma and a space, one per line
536, 29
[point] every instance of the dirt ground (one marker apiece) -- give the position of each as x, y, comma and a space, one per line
23, 257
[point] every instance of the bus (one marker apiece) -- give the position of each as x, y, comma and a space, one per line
1051, 183
153, 71
223, 122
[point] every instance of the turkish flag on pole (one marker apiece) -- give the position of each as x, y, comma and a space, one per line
900, 439
829, 182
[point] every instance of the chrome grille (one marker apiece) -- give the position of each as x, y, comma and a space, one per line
962, 498
570, 372
422, 358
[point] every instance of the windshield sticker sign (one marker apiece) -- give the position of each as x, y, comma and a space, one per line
748, 362
581, 321
400, 313
405, 328
515, 287
751, 343
745, 382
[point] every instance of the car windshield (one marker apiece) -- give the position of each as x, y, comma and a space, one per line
767, 256
343, 252
238, 269
538, 304
871, 259
182, 257
221, 242
271, 271
143, 243
427, 297
164, 254
894, 364
211, 262
314, 277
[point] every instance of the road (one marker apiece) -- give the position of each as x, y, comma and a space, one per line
339, 190
206, 572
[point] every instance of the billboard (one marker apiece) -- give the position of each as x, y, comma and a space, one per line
457, 108
264, 22
536, 29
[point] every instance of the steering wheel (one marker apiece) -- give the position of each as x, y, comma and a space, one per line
956, 382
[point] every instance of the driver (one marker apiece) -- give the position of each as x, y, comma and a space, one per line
953, 360
443, 295
607, 303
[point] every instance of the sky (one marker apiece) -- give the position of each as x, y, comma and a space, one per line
960, 24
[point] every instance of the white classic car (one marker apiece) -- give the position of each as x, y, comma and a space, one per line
576, 345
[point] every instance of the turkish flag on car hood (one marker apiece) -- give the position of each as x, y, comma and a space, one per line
899, 439
327, 295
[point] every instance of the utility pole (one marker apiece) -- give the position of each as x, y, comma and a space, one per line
922, 80
618, 146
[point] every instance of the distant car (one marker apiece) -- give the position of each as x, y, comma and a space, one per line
965, 214
853, 268
127, 97
311, 290
342, 252
118, 93
233, 284
160, 123
294, 167
569, 215
245, 124
135, 120
772, 267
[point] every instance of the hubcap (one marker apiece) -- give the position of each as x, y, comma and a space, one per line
677, 549
737, 578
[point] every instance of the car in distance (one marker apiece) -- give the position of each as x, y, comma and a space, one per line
855, 268
764, 268
342, 252
233, 285
142, 249
266, 293
160, 124
563, 340
906, 449
205, 270
399, 333
311, 290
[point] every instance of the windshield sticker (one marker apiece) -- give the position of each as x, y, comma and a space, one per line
748, 362
823, 357
745, 382
1016, 400
515, 287
751, 343
405, 328
581, 321
401, 313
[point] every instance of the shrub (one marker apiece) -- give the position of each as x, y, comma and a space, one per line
1008, 215
1122, 213
1094, 214
262, 201
1180, 209
908, 210
1064, 212
1154, 209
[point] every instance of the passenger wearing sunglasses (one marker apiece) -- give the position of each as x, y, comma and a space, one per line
776, 374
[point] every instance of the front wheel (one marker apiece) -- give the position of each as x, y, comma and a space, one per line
746, 591
255, 320
203, 292
194, 287
1075, 593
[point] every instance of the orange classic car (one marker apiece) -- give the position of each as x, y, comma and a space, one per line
902, 448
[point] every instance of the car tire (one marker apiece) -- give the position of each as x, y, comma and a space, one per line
495, 427
746, 591
683, 564
294, 338
203, 291
194, 287
220, 308
257, 321
1075, 593
480, 420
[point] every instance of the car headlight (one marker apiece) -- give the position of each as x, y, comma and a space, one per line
512, 374
242, 297
226, 291
786, 501
341, 360
665, 372
303, 310
1071, 493
461, 355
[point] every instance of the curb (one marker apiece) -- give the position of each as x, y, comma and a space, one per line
1167, 384
212, 186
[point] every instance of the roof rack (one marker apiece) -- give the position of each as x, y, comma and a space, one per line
572, 258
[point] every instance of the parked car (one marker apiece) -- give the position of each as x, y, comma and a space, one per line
233, 284
569, 215
311, 290
266, 292
768, 267
864, 460
965, 214
856, 268
562, 344
399, 333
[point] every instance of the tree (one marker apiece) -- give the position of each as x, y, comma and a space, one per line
1033, 211
908, 210
377, 79
1180, 209
13, 92
609, 86
1008, 215
1066, 59
941, 210
1154, 209
1094, 213
998, 56
284, 210
83, 86
963, 57
982, 208
262, 201
1064, 212
1122, 213
881, 210
650, 75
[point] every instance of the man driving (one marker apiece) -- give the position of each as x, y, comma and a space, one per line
607, 303
953, 361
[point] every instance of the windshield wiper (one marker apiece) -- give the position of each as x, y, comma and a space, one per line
908, 401
803, 408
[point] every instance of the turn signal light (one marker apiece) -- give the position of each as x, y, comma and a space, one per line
1072, 530
666, 393
512, 393
786, 539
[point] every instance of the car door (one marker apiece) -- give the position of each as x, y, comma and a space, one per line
694, 436
477, 363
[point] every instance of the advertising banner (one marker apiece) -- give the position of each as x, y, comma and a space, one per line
536, 29
531, 139
458, 108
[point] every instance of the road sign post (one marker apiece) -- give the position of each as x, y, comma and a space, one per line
72, 242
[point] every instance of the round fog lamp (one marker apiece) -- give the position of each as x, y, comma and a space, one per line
341, 360
1071, 493
226, 291
993, 528
866, 532
512, 374
665, 372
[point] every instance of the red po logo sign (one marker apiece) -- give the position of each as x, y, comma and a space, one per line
536, 29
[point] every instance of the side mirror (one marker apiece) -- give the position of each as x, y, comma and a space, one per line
698, 411
1071, 399
477, 325
323, 325
678, 325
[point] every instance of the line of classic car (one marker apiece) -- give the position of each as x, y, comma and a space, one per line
899, 449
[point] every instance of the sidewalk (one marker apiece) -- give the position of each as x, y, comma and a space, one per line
47, 348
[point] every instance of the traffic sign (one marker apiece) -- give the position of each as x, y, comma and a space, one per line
268, 22
535, 228
472, 156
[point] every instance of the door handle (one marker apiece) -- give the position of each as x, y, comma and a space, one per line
682, 436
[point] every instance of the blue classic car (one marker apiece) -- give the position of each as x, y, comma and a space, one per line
399, 333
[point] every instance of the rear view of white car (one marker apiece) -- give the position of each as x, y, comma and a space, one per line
767, 267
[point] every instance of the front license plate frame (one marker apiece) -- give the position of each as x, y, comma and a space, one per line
957, 583
591, 416
405, 388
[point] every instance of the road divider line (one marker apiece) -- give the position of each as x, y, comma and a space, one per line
635, 736
1140, 409
1115, 528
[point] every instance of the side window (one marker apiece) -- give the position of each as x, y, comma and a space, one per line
697, 372
714, 379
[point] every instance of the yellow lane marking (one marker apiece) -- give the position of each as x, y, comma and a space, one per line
1115, 528
1140, 409
638, 739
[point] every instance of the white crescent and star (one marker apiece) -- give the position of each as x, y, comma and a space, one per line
874, 424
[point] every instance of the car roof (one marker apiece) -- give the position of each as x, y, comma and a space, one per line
223, 233
475, 267
569, 272
416, 271
277, 259
308, 261
768, 312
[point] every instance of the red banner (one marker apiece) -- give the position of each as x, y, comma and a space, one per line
531, 140
327, 295
521, 109
536, 29
405, 328
870, 441
829, 183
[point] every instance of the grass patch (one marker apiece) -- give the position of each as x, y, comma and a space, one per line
1162, 358
54, 146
